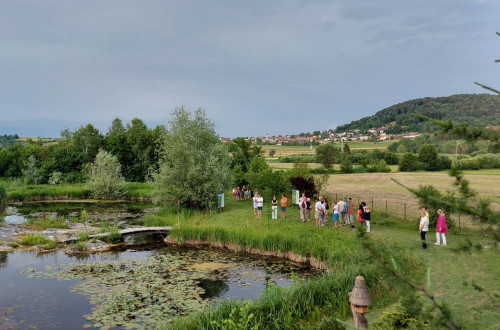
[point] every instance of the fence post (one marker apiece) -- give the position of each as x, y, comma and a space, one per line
405, 211
386, 213
459, 221
372, 203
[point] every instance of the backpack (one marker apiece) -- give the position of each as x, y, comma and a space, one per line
363, 215
341, 207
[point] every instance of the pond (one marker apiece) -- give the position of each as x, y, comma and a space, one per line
135, 286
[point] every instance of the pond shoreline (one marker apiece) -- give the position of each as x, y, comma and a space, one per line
311, 261
81, 198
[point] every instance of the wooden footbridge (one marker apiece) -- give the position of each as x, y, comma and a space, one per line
127, 231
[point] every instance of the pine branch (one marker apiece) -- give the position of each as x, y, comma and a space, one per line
487, 87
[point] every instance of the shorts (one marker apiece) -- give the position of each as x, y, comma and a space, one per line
283, 209
317, 215
335, 217
259, 208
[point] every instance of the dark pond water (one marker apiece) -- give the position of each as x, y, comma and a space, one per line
122, 213
135, 286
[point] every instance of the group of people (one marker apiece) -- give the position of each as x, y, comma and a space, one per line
441, 228
343, 212
242, 194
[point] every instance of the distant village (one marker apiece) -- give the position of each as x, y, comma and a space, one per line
373, 134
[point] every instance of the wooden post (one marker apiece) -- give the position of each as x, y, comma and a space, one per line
360, 300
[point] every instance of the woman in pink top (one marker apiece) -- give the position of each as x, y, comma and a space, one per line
441, 227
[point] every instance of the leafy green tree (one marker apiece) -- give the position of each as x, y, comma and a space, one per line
326, 154
87, 141
243, 152
194, 165
105, 178
31, 172
401, 149
272, 152
428, 156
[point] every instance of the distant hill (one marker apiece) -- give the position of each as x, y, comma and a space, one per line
473, 109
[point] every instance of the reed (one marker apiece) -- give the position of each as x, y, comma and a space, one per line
44, 223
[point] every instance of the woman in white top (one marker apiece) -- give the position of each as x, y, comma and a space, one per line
424, 228
260, 204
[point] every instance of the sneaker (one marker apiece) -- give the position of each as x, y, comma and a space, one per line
438, 244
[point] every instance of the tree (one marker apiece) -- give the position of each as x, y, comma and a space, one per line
347, 149
346, 166
105, 178
320, 181
428, 156
272, 152
409, 163
326, 154
31, 172
194, 165
87, 141
243, 153
304, 185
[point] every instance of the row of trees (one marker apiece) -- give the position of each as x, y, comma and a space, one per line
68, 159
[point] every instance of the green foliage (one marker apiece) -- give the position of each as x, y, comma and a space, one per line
243, 152
3, 198
106, 180
194, 165
298, 158
397, 317
379, 166
326, 154
33, 240
346, 166
239, 318
428, 156
272, 152
410, 163
31, 172
44, 223
55, 178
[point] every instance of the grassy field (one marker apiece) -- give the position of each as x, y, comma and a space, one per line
468, 283
284, 150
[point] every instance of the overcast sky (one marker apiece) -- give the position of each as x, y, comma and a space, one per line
256, 67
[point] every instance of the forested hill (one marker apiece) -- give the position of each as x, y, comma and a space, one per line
473, 109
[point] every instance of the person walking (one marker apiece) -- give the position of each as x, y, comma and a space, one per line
283, 202
303, 207
441, 227
260, 205
274, 207
424, 228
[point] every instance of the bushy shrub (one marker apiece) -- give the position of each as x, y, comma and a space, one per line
106, 180
380, 166
346, 166
409, 163
298, 158
55, 178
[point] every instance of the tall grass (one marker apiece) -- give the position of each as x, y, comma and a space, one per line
44, 223
20, 192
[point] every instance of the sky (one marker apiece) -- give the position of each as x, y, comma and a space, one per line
256, 67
